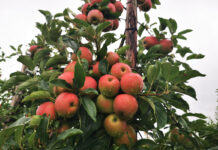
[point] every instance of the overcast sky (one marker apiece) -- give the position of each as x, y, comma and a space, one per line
17, 26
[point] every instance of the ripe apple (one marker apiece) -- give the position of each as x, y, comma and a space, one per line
95, 17
119, 6
125, 106
167, 46
111, 8
81, 17
66, 104
68, 77
95, 1
109, 85
112, 58
33, 48
114, 126
85, 54
110, 27
47, 108
104, 104
89, 83
63, 127
119, 69
116, 24
84, 8
150, 41
132, 83
95, 69
70, 67
129, 138
146, 6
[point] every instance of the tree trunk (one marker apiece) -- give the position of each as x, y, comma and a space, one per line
131, 31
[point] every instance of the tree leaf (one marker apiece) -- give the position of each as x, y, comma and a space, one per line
172, 25
42, 130
89, 106
152, 73
102, 26
188, 90
163, 23
122, 50
37, 95
103, 66
147, 17
195, 56
198, 115
79, 76
47, 15
160, 114
185, 31
141, 29
27, 61
70, 43
56, 60
28, 84
40, 55
90, 91
14, 80
169, 71
61, 83
183, 50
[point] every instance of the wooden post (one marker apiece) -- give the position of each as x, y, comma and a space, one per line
131, 31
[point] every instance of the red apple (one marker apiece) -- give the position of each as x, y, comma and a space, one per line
146, 6
150, 41
95, 69
109, 85
119, 6
129, 138
84, 8
104, 104
33, 48
125, 106
96, 1
112, 58
95, 17
89, 83
132, 83
85, 54
66, 104
70, 67
116, 24
110, 27
47, 108
111, 8
114, 126
167, 46
119, 69
81, 17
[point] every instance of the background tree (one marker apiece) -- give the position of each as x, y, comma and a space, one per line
81, 42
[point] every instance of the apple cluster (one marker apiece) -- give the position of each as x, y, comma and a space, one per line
144, 5
166, 44
116, 99
94, 13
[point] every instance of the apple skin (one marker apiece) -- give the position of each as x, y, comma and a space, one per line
146, 6
109, 85
167, 46
112, 58
85, 54
114, 126
116, 24
68, 77
119, 6
95, 17
110, 27
33, 48
129, 138
66, 104
132, 83
125, 106
119, 69
95, 69
150, 41
84, 8
89, 83
47, 108
95, 1
63, 127
111, 8
70, 67
81, 17
104, 104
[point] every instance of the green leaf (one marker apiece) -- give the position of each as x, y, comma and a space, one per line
103, 66
102, 26
160, 114
79, 76
27, 61
28, 84
104, 3
40, 55
31, 139
56, 60
163, 23
80, 23
169, 71
172, 25
19, 135
150, 102
122, 50
195, 56
185, 31
141, 29
47, 15
61, 83
37, 95
90, 91
89, 106
147, 17
183, 50
188, 90
42, 130
198, 115
70, 43
152, 73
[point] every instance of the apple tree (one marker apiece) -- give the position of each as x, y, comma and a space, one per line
84, 87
